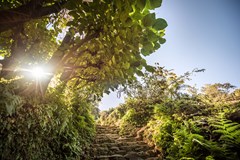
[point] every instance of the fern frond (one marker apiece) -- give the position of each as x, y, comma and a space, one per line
231, 124
197, 136
233, 128
229, 134
187, 158
226, 138
225, 121
236, 133
217, 126
221, 131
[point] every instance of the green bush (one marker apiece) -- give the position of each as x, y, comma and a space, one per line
45, 128
185, 126
198, 137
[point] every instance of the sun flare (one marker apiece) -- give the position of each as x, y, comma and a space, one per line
38, 72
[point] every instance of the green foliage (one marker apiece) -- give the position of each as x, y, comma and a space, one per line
218, 93
128, 116
128, 121
181, 125
105, 41
87, 49
49, 128
227, 133
184, 129
9, 102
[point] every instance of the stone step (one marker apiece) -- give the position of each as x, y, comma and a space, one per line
107, 128
112, 144
153, 158
107, 132
122, 158
129, 156
122, 152
135, 147
116, 143
114, 136
116, 150
107, 140
110, 157
125, 139
109, 145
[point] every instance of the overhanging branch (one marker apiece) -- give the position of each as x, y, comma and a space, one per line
32, 10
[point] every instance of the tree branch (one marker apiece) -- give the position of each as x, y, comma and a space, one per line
32, 10
17, 51
74, 49
86, 79
58, 59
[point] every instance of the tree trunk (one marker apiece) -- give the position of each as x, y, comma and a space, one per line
53, 66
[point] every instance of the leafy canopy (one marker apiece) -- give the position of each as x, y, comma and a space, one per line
103, 42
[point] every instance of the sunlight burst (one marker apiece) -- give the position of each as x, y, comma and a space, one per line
38, 72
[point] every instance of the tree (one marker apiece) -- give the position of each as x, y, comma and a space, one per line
100, 42
218, 92
160, 84
236, 94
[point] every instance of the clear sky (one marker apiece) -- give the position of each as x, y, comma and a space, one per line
200, 34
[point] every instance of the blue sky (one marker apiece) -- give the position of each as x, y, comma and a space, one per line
200, 34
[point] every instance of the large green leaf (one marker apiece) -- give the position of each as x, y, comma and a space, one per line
156, 45
149, 68
148, 45
145, 52
160, 24
154, 4
148, 20
152, 36
139, 73
162, 40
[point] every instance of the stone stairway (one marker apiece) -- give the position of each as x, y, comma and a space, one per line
109, 145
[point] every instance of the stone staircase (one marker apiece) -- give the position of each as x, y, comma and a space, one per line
109, 145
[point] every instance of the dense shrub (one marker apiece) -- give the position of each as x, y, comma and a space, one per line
47, 128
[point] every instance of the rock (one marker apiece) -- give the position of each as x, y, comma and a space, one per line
114, 148
133, 156
109, 145
111, 157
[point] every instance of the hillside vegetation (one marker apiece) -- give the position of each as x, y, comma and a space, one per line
179, 121
57, 59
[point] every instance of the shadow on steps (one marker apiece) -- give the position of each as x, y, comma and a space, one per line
109, 145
